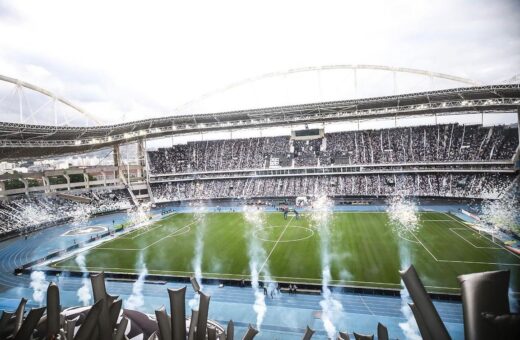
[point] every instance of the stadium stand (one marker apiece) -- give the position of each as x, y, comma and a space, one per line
437, 143
426, 185
25, 214
212, 168
218, 155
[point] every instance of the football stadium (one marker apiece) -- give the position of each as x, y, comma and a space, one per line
377, 202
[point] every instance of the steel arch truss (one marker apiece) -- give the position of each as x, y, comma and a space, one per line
52, 99
21, 140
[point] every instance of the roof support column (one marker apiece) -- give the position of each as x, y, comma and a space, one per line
85, 179
117, 161
141, 157
2, 191
20, 101
46, 183
518, 121
117, 155
67, 177
516, 157
26, 185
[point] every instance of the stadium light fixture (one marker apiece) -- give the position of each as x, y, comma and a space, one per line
77, 142
142, 133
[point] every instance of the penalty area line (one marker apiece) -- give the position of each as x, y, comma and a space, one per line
498, 244
462, 237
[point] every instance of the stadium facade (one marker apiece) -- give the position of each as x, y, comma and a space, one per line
386, 154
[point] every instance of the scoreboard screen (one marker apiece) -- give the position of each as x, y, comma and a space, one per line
307, 133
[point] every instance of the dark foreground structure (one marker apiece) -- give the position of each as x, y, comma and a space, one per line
485, 299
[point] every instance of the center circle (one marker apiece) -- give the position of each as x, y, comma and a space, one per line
291, 234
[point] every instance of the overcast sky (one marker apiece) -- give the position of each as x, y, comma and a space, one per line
134, 59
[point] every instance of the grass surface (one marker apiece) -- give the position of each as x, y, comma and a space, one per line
364, 250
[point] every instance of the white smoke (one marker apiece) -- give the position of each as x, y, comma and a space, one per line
84, 295
255, 219
136, 299
403, 214
80, 215
513, 302
39, 286
409, 327
196, 263
330, 307
404, 218
259, 307
503, 213
139, 214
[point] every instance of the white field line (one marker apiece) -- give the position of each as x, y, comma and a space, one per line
139, 232
367, 212
498, 244
208, 275
173, 234
404, 238
462, 237
142, 232
177, 232
275, 244
288, 241
424, 247
477, 262
470, 262
216, 275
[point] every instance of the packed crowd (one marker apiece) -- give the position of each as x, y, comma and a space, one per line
29, 213
422, 144
306, 152
218, 155
427, 185
438, 143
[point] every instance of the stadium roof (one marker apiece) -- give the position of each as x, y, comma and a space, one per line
19, 141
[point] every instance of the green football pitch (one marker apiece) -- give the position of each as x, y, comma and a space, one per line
365, 250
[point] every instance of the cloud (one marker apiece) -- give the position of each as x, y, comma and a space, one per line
8, 13
147, 60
